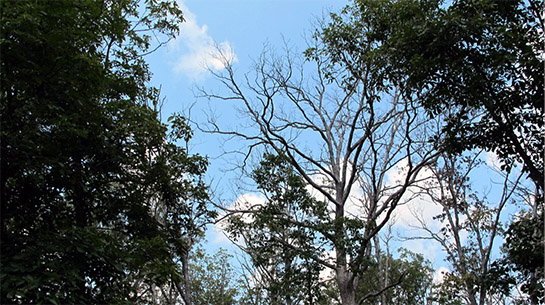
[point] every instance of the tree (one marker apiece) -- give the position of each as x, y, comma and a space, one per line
523, 257
212, 278
85, 159
478, 62
179, 204
410, 278
482, 60
343, 130
470, 224
274, 233
279, 236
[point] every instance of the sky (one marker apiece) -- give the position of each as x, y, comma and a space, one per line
241, 29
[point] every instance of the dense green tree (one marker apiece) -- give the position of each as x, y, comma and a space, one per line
97, 202
482, 61
524, 256
408, 280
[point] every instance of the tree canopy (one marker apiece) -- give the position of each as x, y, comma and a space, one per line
101, 202
480, 61
97, 199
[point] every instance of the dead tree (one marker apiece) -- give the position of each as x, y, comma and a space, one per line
470, 222
344, 131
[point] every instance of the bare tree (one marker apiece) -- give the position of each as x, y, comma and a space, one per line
343, 131
470, 224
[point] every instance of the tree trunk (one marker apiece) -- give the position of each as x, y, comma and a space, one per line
345, 280
383, 266
186, 292
153, 294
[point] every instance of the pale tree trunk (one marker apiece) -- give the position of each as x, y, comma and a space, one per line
383, 266
454, 222
153, 294
345, 278
386, 274
347, 289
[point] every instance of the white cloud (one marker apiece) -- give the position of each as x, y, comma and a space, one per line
414, 206
429, 248
492, 160
353, 206
248, 201
415, 215
199, 51
243, 202
440, 275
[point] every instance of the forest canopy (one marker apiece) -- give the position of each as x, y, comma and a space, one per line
392, 102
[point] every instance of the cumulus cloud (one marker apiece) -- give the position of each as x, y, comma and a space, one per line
416, 214
414, 206
248, 201
198, 52
243, 202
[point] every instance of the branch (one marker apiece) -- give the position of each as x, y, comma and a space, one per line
374, 294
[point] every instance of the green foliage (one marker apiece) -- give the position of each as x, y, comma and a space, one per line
281, 236
212, 278
95, 195
479, 62
524, 255
448, 292
411, 269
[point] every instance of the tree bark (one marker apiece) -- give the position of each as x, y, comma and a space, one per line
347, 290
186, 291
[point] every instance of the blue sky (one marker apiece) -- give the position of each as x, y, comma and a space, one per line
240, 28
244, 26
